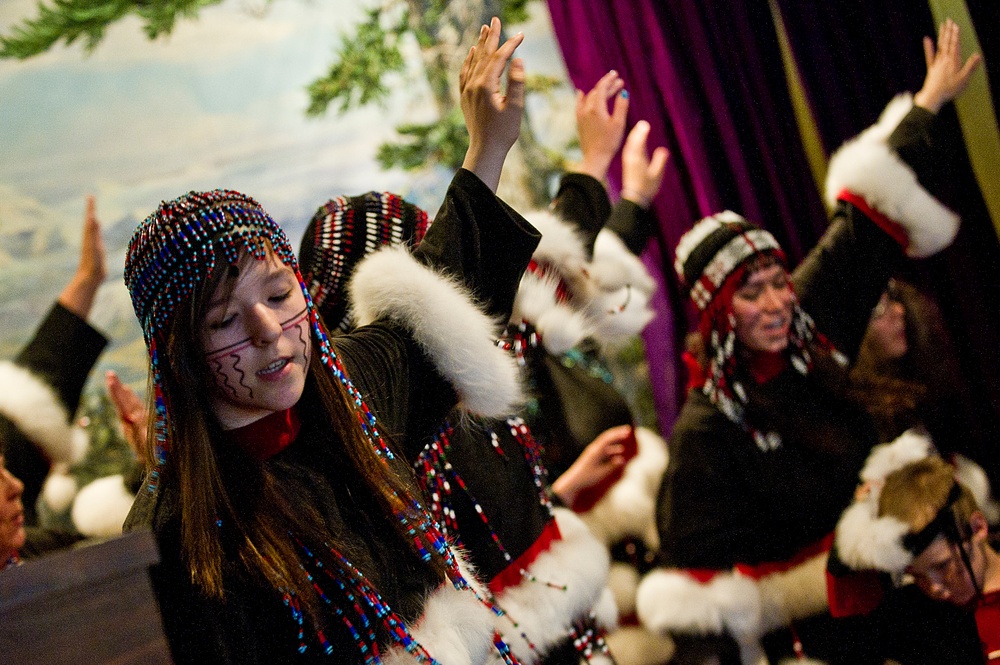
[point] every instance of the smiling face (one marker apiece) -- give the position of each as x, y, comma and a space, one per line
257, 343
762, 308
12, 535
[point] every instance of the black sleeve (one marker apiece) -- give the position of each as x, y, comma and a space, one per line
841, 279
63, 351
481, 241
632, 223
583, 201
483, 244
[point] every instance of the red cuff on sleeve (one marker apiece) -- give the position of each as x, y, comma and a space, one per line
895, 230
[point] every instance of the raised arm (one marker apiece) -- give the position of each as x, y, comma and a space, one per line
601, 131
492, 117
877, 184
78, 295
947, 76
642, 176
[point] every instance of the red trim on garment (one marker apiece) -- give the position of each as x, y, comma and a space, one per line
988, 623
757, 571
894, 229
854, 593
695, 372
268, 436
513, 575
544, 269
760, 570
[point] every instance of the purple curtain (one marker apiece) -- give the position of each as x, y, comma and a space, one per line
853, 56
709, 79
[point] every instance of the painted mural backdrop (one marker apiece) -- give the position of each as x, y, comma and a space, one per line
220, 102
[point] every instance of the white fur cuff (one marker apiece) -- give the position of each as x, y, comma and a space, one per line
866, 166
458, 337
32, 405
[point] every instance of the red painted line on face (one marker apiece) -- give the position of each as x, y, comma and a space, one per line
243, 344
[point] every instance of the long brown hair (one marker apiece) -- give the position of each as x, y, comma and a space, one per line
231, 505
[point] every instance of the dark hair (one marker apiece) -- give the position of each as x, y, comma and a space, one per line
897, 391
232, 507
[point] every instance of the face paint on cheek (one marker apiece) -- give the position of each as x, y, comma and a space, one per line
228, 372
301, 323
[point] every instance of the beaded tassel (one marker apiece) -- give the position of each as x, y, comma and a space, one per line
588, 639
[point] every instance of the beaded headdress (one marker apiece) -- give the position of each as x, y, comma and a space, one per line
342, 232
177, 248
711, 260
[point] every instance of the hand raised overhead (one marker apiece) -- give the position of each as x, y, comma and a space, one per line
946, 76
492, 116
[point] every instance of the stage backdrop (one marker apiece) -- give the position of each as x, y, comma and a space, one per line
220, 102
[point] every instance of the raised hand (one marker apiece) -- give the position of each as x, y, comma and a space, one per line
946, 76
132, 415
642, 175
78, 296
601, 132
492, 116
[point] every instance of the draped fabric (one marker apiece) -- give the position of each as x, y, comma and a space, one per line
709, 78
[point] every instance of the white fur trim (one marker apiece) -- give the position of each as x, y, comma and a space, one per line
623, 289
561, 244
561, 326
623, 581
866, 166
885, 458
634, 645
456, 628
59, 489
545, 614
746, 609
671, 601
629, 507
458, 337
868, 542
794, 594
101, 507
974, 478
33, 406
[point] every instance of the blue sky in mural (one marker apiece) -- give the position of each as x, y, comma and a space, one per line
217, 104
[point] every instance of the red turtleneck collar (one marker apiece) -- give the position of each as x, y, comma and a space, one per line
268, 436
765, 365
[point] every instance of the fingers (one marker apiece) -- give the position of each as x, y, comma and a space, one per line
635, 143
970, 66
516, 83
614, 435
463, 76
928, 51
658, 162
620, 109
